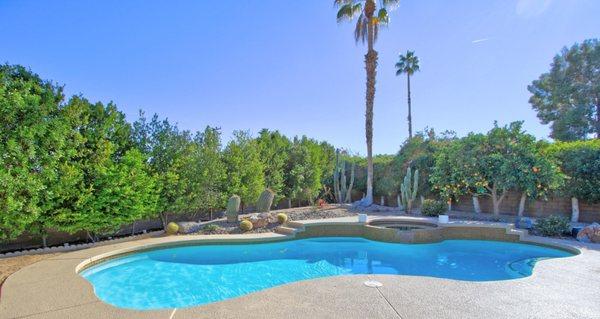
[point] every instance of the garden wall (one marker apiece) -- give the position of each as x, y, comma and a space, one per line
588, 213
28, 241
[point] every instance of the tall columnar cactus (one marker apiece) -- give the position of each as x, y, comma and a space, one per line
265, 201
233, 207
343, 191
408, 189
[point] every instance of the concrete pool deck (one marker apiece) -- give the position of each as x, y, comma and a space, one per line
559, 288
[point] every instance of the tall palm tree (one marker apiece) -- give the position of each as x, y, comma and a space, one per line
408, 64
370, 17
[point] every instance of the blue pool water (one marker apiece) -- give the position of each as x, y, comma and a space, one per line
195, 275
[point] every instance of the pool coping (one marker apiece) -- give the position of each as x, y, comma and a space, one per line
192, 241
19, 302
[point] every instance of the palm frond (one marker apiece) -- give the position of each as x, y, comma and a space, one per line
339, 3
390, 4
383, 17
348, 10
360, 31
375, 31
408, 63
345, 12
357, 8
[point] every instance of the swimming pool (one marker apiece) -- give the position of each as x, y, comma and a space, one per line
194, 275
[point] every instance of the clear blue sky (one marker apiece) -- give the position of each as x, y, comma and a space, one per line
288, 65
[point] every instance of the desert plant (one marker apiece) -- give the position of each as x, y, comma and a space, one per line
246, 225
265, 201
282, 218
408, 189
172, 228
432, 207
233, 207
343, 191
553, 225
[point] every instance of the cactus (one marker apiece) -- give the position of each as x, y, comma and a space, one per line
172, 228
282, 218
265, 201
343, 191
233, 207
246, 225
408, 189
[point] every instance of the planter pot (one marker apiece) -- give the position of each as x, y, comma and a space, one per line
443, 219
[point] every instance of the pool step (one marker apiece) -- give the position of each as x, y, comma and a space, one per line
519, 232
285, 230
294, 224
290, 228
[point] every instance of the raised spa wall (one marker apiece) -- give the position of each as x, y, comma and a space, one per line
417, 236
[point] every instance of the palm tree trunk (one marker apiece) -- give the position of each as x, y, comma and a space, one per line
409, 109
370, 65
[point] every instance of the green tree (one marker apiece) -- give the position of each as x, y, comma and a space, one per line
506, 158
105, 183
569, 95
274, 151
245, 171
304, 170
535, 175
408, 64
123, 192
580, 162
169, 152
419, 153
366, 30
209, 171
457, 171
385, 183
31, 142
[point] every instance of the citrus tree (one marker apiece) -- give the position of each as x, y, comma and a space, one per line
492, 164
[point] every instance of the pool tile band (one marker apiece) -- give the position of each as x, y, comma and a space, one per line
349, 229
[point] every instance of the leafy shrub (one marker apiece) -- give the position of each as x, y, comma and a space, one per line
580, 161
433, 207
246, 225
552, 225
282, 218
172, 228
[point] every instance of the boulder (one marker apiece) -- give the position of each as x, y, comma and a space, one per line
189, 227
259, 220
589, 234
